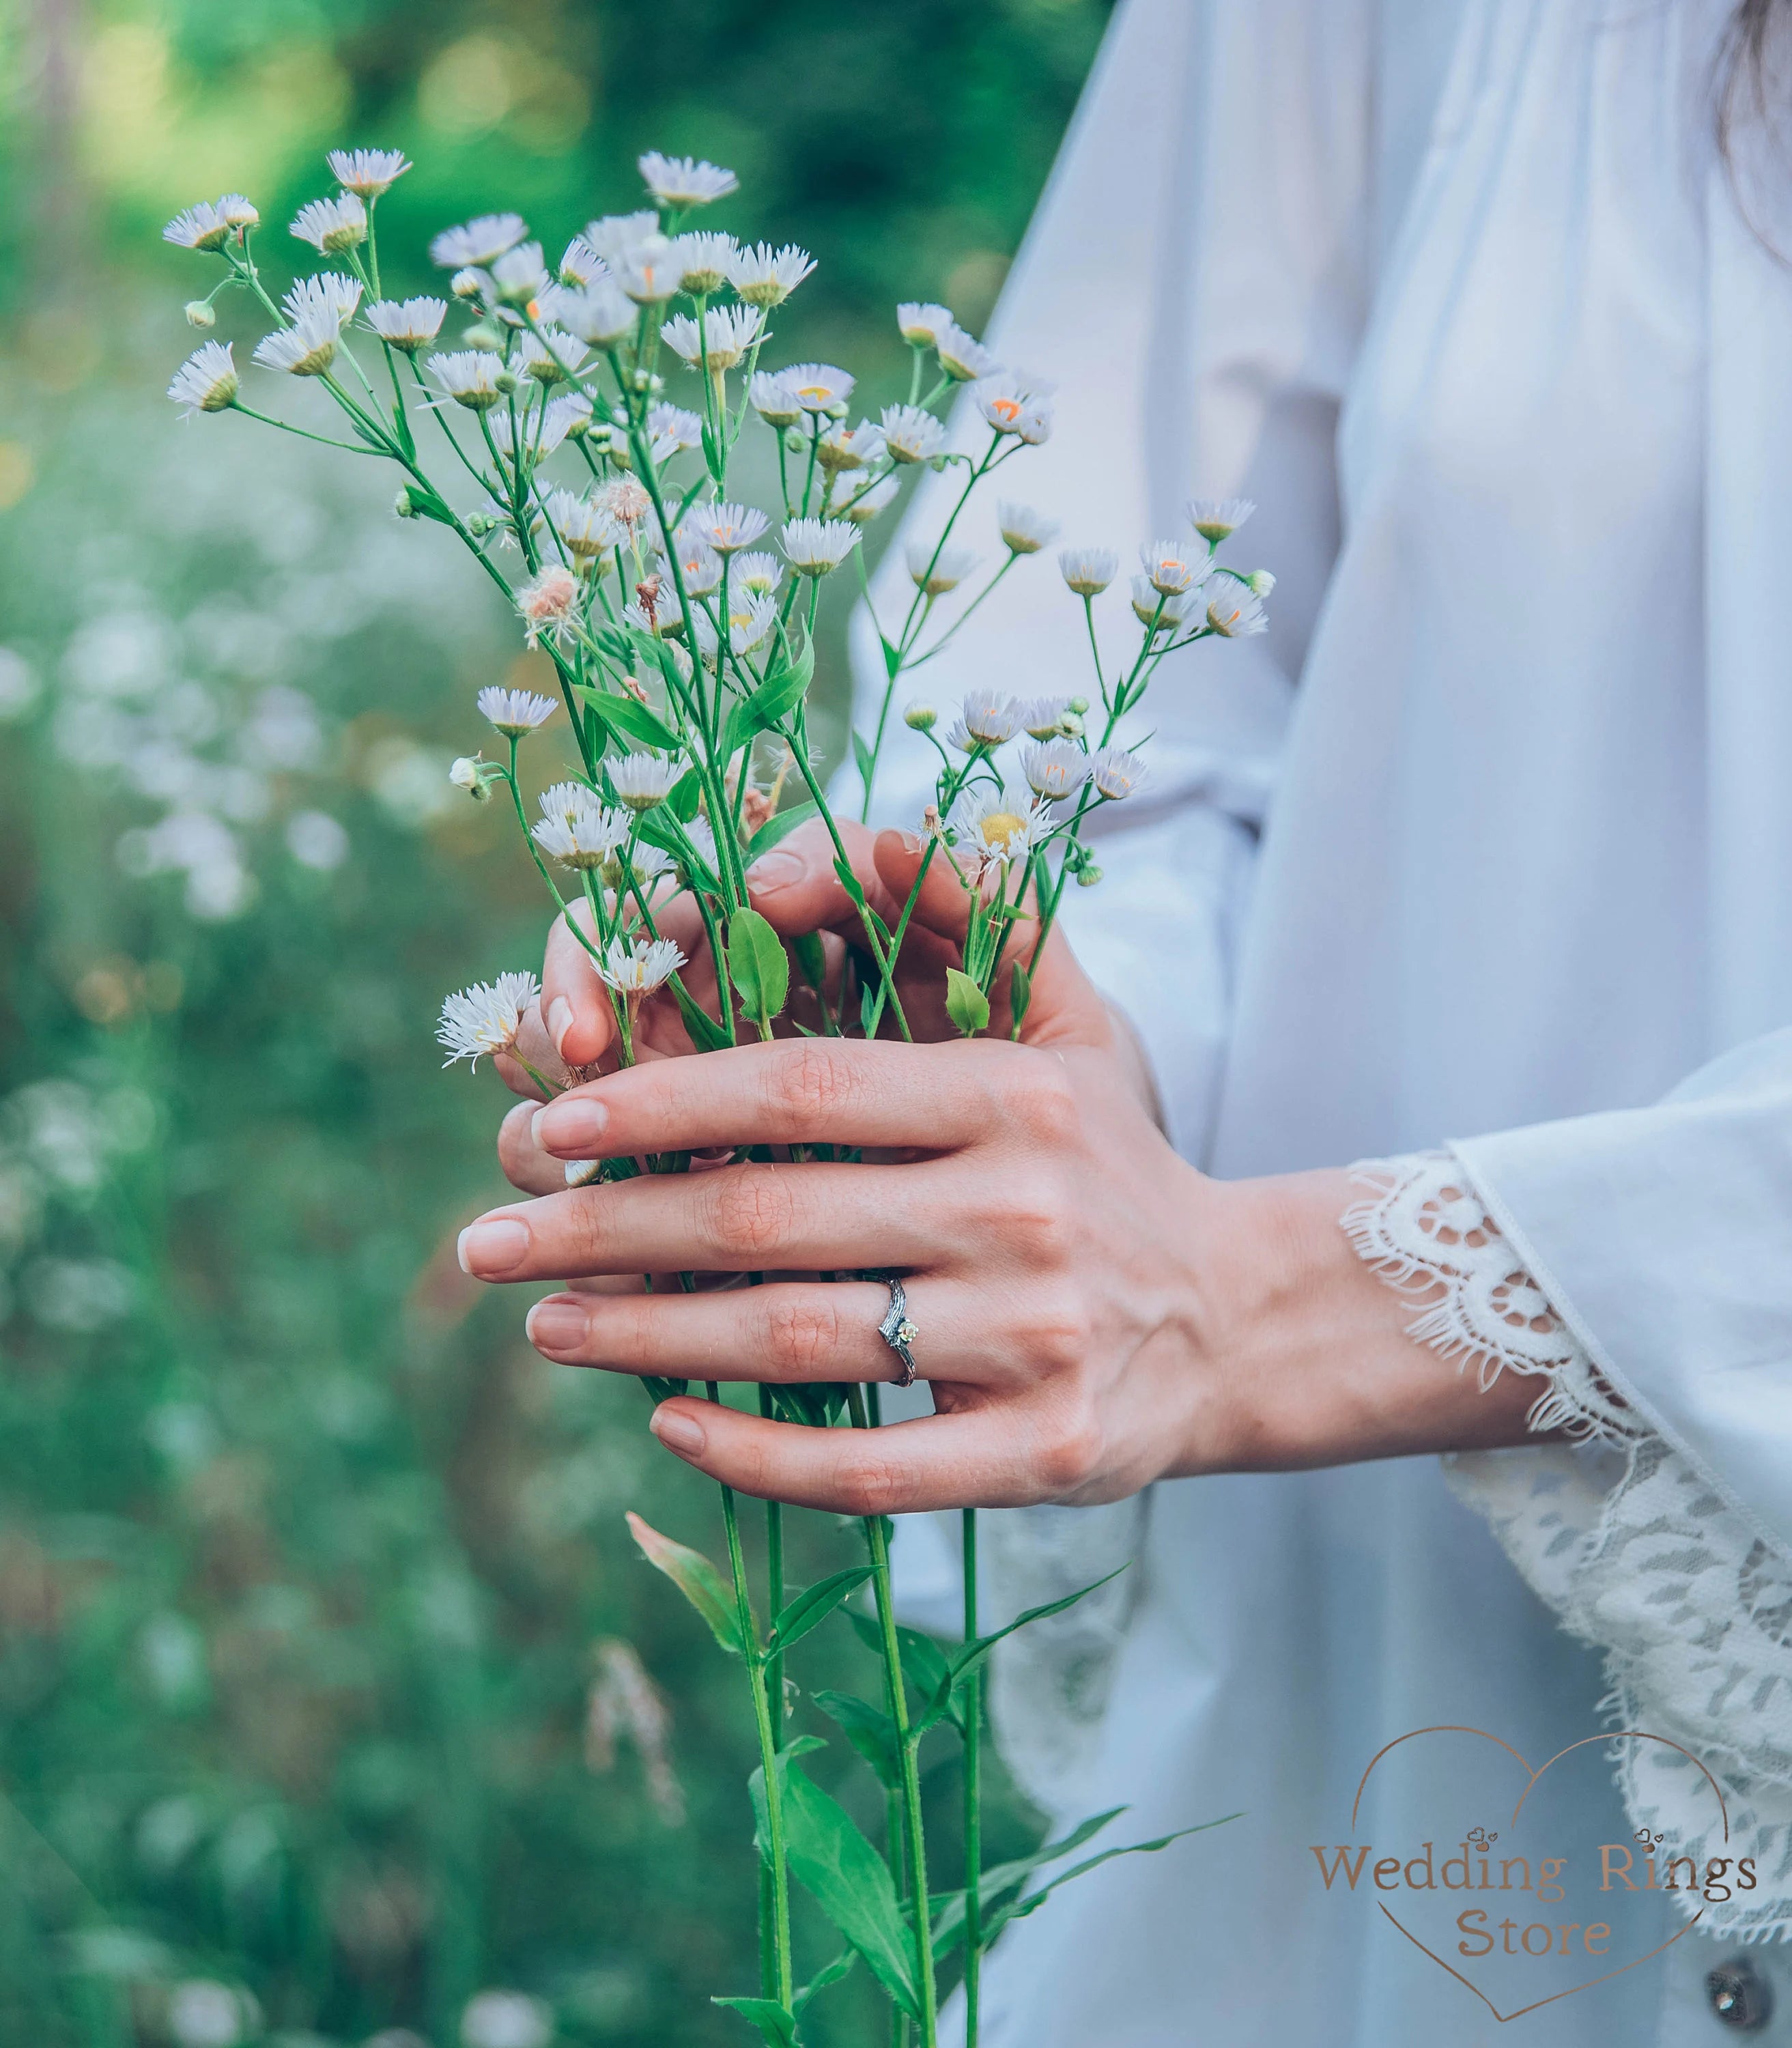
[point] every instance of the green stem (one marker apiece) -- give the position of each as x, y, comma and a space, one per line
973, 1794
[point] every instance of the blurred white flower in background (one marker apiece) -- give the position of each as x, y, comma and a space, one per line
203, 2013
506, 2019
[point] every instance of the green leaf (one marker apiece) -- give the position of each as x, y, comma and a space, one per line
782, 691
707, 1035
1035, 1899
946, 1912
966, 1004
863, 760
1020, 995
772, 2022
848, 1879
687, 794
695, 1577
779, 828
924, 1662
811, 962
962, 1658
659, 1390
829, 1973
629, 724
850, 883
870, 1732
815, 1604
758, 964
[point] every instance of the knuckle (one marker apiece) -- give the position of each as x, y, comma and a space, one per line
805, 1084
869, 1484
1038, 1102
1057, 1332
1069, 1452
1037, 1223
749, 1212
800, 1338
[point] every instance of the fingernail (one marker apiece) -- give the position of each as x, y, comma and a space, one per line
560, 1020
555, 1326
777, 870
489, 1248
677, 1431
573, 1129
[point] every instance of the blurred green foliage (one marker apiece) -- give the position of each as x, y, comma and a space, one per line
328, 1675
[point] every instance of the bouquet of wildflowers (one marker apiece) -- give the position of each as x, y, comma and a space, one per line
578, 438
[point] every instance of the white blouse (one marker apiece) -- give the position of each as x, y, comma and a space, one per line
1455, 290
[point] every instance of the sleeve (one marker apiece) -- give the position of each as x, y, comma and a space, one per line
1193, 282
1640, 1262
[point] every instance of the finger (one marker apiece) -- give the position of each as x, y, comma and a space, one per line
524, 1163
975, 1457
797, 889
739, 1220
791, 1332
801, 1091
575, 1006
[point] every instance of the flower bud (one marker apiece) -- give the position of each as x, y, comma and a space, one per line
1079, 705
404, 505
1088, 877
920, 716
1071, 724
1261, 581
505, 380
479, 524
467, 774
483, 335
199, 313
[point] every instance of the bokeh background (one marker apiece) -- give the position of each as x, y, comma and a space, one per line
333, 1697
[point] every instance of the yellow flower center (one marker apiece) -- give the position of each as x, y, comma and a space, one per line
819, 392
1005, 408
999, 828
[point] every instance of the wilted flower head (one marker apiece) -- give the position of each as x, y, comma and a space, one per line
207, 381
912, 434
479, 243
818, 387
1234, 609
921, 324
470, 377
1115, 772
1055, 769
486, 1018
307, 348
514, 711
1024, 531
1088, 571
815, 546
636, 967
685, 181
368, 172
962, 356
642, 780
757, 573
728, 529
1215, 519
936, 568
625, 499
767, 276
328, 291
547, 603
210, 224
410, 324
333, 225
1162, 609
727, 334
864, 505
703, 260
989, 718
1172, 569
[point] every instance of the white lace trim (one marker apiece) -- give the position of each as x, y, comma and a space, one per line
1622, 1537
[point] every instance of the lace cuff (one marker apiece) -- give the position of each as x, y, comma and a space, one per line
1620, 1534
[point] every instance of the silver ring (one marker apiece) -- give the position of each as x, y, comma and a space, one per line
897, 1332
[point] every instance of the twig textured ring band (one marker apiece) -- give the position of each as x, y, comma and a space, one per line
897, 1332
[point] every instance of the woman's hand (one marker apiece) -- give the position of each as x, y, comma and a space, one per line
1092, 1312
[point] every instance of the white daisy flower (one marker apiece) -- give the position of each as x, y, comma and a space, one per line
1234, 609
727, 528
818, 387
470, 285
864, 505
1115, 772
815, 546
651, 272
333, 225
626, 500
912, 434
551, 357
700, 566
1088, 571
936, 569
774, 399
240, 212
636, 967
479, 243
617, 234
758, 573
921, 324
649, 865
581, 264
367, 173
1165, 610
727, 334
576, 828
514, 711
671, 429
600, 313
845, 447
470, 377
305, 349
751, 619
328, 291
409, 324
703, 845
1056, 769
985, 823
767, 276
1215, 519
586, 528
685, 181
207, 381
519, 274
486, 1018
962, 356
1173, 569
542, 431
642, 780
1042, 717
1012, 407
705, 260
204, 226
989, 718
568, 417
547, 603
1024, 531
